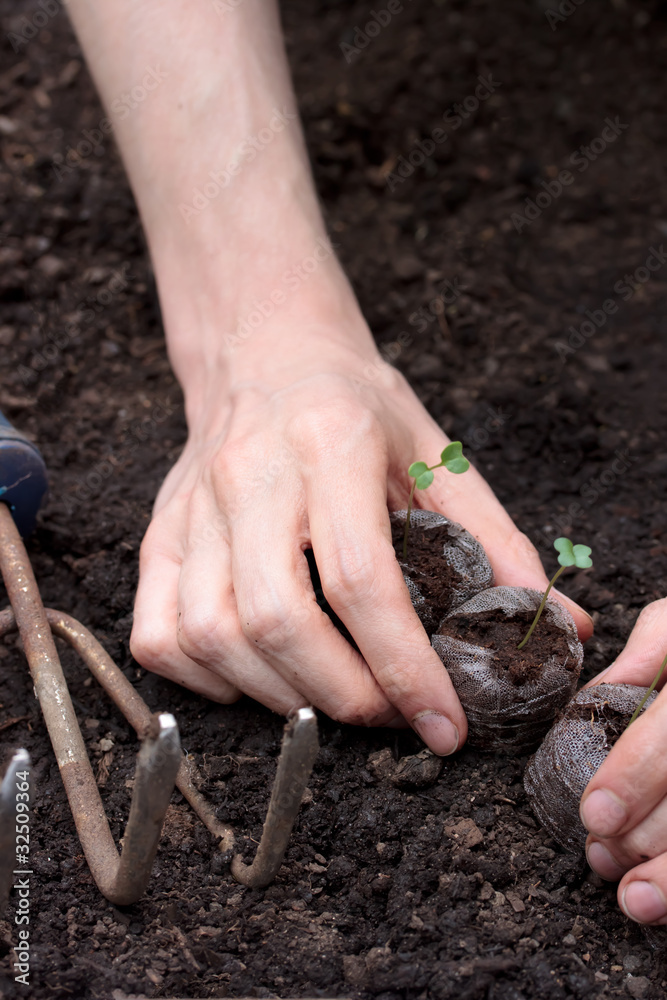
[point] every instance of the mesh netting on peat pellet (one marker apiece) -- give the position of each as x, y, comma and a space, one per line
445, 565
510, 697
574, 749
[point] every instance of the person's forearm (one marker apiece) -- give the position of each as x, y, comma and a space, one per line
215, 155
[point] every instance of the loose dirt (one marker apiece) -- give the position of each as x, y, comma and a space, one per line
452, 892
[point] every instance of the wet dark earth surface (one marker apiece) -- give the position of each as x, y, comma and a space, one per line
548, 362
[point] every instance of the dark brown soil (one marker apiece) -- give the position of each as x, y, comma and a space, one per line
494, 630
426, 567
614, 723
452, 892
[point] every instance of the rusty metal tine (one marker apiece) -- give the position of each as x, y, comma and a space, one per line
19, 763
128, 700
300, 746
189, 777
157, 764
56, 704
297, 756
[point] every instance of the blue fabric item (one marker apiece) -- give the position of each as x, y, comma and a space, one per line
23, 479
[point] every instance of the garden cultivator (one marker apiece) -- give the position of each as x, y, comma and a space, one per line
160, 762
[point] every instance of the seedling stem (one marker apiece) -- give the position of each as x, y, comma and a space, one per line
649, 692
568, 555
421, 474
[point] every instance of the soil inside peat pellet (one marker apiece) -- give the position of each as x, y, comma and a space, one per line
612, 721
494, 630
425, 564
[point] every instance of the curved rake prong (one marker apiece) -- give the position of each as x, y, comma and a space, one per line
111, 873
19, 763
128, 700
297, 756
36, 625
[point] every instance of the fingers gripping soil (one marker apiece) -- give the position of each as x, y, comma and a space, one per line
372, 600
153, 642
279, 616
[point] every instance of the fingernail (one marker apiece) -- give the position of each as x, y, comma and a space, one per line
437, 732
603, 813
603, 863
643, 902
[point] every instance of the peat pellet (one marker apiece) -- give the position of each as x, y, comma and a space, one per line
574, 749
510, 697
445, 564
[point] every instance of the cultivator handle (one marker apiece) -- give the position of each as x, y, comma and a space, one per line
23, 480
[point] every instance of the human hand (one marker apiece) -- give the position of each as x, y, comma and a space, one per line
310, 453
624, 806
291, 444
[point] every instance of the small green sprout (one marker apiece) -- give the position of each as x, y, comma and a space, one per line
649, 692
568, 555
422, 477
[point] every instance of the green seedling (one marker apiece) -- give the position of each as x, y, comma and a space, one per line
568, 555
422, 477
648, 694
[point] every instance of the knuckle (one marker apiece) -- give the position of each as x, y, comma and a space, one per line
270, 624
399, 680
350, 576
205, 633
634, 847
317, 427
521, 544
151, 647
360, 709
230, 461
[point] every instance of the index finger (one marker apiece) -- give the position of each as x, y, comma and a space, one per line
351, 538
